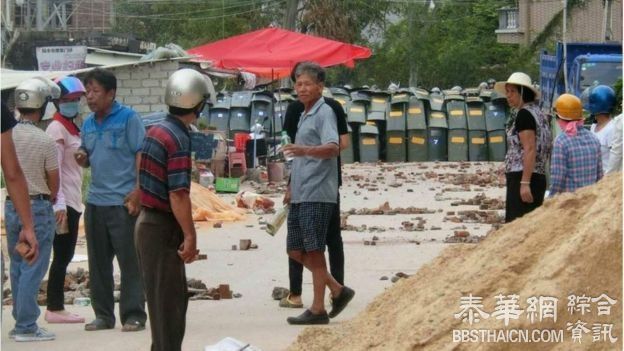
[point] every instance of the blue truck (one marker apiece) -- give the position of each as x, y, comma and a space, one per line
587, 64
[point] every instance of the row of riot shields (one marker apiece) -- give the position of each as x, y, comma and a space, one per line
407, 125
413, 125
239, 111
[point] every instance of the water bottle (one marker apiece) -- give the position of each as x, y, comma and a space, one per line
276, 222
285, 140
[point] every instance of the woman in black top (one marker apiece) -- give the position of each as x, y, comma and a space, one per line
529, 143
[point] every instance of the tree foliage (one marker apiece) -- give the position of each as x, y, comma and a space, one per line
190, 23
344, 20
452, 44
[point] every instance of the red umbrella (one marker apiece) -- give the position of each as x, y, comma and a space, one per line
273, 52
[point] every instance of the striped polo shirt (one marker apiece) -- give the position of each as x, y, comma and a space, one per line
165, 163
36, 153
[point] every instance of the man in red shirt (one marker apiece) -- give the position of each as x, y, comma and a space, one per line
165, 235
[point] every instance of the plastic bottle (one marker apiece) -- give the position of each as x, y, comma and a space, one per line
276, 222
62, 227
285, 140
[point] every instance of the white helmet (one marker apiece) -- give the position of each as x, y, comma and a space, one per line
186, 88
33, 93
55, 90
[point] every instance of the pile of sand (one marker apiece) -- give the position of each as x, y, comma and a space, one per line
208, 206
571, 245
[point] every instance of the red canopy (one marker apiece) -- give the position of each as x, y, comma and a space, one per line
273, 52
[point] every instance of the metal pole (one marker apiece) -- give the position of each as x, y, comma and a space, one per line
39, 17
565, 47
413, 79
603, 33
273, 114
255, 136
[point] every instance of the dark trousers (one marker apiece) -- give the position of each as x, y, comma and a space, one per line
63, 248
158, 237
514, 206
335, 251
110, 233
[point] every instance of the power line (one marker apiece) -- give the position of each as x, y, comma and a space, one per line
216, 8
180, 16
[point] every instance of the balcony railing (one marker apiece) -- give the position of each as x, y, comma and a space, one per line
508, 18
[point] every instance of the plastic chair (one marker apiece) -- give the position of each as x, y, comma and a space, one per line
236, 159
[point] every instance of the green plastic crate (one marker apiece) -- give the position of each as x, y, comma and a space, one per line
227, 185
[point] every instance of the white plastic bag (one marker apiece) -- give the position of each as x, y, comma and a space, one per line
231, 344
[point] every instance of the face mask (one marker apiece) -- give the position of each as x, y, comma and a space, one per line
569, 127
69, 109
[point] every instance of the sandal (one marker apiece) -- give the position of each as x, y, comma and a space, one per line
132, 326
287, 303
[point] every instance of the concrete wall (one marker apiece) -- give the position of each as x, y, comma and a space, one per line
584, 23
94, 14
140, 87
143, 87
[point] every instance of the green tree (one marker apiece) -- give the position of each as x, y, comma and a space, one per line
190, 23
452, 44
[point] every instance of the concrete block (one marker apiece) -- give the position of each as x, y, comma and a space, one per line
149, 83
139, 74
168, 65
122, 75
132, 100
141, 92
130, 83
157, 91
159, 74
141, 108
152, 99
159, 108
123, 91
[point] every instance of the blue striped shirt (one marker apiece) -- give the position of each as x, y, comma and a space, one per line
575, 162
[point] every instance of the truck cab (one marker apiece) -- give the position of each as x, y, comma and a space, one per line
587, 64
588, 70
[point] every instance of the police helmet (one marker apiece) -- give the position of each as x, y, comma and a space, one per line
186, 88
601, 100
33, 93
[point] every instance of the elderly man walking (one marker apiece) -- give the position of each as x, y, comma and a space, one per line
312, 193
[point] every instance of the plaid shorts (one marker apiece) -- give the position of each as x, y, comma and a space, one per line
307, 226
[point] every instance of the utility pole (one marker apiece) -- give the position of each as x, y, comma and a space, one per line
606, 22
413, 78
39, 9
565, 45
290, 22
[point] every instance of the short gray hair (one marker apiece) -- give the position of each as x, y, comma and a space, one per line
312, 69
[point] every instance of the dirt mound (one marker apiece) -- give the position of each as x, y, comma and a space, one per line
572, 245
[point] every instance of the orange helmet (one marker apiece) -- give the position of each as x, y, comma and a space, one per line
568, 107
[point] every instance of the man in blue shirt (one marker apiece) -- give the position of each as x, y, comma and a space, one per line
112, 137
